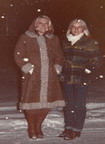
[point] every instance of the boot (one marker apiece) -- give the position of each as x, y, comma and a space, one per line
31, 132
77, 133
40, 118
38, 127
63, 134
70, 135
31, 120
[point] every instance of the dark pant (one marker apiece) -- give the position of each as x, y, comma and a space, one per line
75, 109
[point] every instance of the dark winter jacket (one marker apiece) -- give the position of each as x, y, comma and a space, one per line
84, 54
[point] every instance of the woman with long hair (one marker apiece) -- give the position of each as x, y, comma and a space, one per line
38, 54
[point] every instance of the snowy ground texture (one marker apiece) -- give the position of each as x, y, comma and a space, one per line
13, 127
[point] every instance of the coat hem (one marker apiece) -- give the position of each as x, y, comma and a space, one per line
29, 106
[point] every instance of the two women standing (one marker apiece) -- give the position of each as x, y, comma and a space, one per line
38, 54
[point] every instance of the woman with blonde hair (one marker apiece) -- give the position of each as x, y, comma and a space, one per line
38, 54
82, 23
82, 56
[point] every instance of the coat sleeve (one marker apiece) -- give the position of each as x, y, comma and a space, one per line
58, 56
20, 54
95, 56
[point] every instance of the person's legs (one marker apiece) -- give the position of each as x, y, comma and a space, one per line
30, 116
41, 114
80, 108
75, 110
34, 119
68, 112
69, 108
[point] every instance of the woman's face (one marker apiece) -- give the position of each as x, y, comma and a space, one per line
42, 26
77, 29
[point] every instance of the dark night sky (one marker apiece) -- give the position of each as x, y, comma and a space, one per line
17, 15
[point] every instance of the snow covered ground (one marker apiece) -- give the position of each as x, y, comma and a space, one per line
13, 127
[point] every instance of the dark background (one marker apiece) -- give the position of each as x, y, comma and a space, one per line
17, 15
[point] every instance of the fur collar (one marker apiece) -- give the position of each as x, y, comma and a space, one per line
34, 35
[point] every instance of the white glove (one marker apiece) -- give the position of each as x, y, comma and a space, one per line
58, 68
27, 68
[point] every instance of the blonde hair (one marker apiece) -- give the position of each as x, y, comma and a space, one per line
51, 29
82, 23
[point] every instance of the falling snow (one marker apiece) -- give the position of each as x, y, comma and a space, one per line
14, 18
